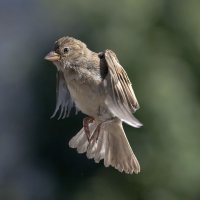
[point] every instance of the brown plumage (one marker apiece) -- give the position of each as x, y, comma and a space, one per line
97, 85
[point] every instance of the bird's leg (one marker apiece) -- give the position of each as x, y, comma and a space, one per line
96, 133
86, 122
98, 128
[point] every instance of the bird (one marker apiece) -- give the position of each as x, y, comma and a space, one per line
97, 85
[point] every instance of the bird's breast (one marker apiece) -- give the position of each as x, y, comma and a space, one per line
87, 95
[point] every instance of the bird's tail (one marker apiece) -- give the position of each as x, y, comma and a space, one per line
109, 143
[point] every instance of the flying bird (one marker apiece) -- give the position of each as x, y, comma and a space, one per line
97, 85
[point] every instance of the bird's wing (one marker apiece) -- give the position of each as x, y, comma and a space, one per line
64, 102
120, 97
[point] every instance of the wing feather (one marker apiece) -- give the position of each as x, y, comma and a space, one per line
121, 99
64, 102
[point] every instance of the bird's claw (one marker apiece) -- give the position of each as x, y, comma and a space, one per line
86, 122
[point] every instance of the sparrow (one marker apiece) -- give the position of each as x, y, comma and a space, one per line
98, 86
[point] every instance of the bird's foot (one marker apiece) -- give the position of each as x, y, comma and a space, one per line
86, 122
96, 132
95, 135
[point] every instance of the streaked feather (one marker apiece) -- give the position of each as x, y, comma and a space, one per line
121, 99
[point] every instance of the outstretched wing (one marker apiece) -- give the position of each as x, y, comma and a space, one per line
120, 98
64, 102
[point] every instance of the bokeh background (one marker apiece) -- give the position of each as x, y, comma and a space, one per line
157, 42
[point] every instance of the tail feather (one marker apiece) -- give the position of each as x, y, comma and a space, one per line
111, 145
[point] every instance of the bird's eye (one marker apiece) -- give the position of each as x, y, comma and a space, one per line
66, 50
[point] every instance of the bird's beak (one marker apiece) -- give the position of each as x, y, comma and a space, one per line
52, 56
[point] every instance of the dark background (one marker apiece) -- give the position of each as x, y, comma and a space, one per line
157, 42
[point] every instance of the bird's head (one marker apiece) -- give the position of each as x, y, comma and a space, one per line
67, 50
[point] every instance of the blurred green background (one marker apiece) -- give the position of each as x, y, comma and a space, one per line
157, 42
